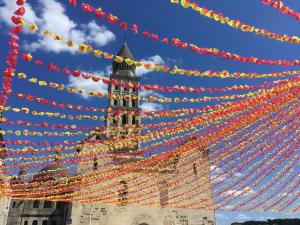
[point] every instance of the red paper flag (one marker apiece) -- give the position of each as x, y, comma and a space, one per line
73, 2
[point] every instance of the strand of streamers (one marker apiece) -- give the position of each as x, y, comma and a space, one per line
68, 155
97, 152
255, 177
220, 179
219, 17
247, 189
98, 53
235, 116
26, 132
147, 87
264, 142
291, 183
142, 151
170, 143
254, 137
248, 164
158, 133
203, 109
123, 145
65, 142
13, 54
114, 19
146, 115
272, 197
151, 98
282, 8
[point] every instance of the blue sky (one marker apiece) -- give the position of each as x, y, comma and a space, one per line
165, 19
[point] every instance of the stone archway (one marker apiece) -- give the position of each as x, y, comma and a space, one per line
143, 219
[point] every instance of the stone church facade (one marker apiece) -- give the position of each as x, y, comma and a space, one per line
175, 196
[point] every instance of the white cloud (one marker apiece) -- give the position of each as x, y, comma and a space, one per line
87, 84
8, 8
238, 174
222, 216
174, 61
53, 18
151, 106
146, 93
108, 70
156, 60
99, 34
215, 169
242, 216
217, 174
218, 178
246, 191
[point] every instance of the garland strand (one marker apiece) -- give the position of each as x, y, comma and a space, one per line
113, 19
235, 23
282, 8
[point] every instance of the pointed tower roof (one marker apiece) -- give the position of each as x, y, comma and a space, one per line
123, 69
125, 52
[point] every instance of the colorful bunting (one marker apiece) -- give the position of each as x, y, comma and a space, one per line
175, 41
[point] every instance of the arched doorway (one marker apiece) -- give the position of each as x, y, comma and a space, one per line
143, 219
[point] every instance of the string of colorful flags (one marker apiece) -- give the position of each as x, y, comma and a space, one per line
228, 155
279, 5
98, 53
219, 17
113, 19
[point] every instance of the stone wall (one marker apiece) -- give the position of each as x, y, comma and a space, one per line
4, 209
180, 194
100, 214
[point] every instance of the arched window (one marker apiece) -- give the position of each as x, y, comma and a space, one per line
36, 204
14, 204
124, 102
115, 102
164, 193
26, 222
114, 120
133, 101
133, 120
47, 204
35, 222
45, 222
124, 119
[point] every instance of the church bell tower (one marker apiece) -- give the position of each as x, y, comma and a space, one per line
123, 114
